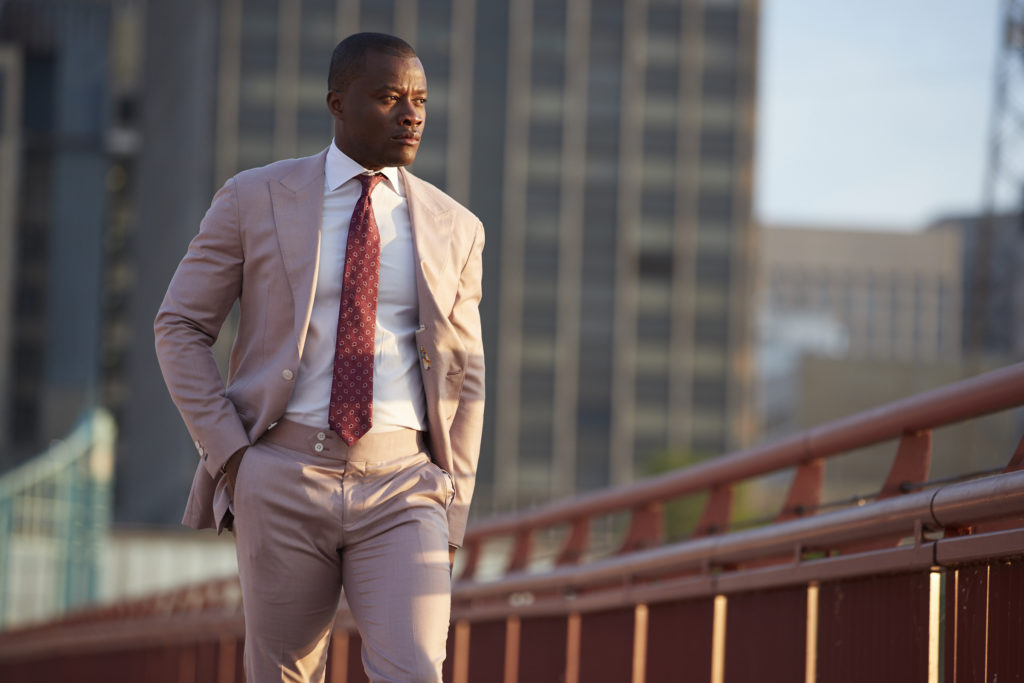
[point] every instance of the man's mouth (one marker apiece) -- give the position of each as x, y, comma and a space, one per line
407, 138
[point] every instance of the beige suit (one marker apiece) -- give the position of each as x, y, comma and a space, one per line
259, 243
311, 513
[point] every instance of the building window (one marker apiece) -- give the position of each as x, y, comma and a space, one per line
717, 145
715, 207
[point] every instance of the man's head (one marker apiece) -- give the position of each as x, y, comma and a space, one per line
377, 94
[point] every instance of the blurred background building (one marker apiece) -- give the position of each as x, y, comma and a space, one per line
998, 310
865, 295
626, 242
68, 76
607, 145
895, 295
611, 167
850, 319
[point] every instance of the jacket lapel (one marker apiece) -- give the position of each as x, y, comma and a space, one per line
298, 199
432, 226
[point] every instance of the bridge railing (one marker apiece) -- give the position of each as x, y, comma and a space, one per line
54, 515
910, 421
922, 582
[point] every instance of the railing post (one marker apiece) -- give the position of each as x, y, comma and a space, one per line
909, 468
186, 653
911, 465
337, 660
646, 527
520, 551
226, 648
6, 532
576, 543
717, 512
472, 552
805, 491
1017, 461
460, 654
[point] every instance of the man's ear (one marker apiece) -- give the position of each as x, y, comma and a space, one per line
334, 103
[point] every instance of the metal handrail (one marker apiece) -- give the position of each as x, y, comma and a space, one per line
955, 505
988, 393
916, 530
982, 395
648, 575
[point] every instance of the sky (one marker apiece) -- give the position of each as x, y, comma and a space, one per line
873, 113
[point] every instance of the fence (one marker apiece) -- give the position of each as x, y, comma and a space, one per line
54, 514
921, 582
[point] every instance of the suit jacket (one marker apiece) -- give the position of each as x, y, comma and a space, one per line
259, 244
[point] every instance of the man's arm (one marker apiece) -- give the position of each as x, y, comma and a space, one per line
467, 425
204, 287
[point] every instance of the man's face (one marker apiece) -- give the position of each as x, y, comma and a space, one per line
378, 119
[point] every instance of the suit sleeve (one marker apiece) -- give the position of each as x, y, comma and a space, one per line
204, 287
467, 425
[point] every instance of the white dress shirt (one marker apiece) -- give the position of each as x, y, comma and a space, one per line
398, 400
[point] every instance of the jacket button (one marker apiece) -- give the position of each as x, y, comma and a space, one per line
320, 436
318, 447
288, 374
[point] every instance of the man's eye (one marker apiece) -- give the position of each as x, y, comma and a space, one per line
421, 100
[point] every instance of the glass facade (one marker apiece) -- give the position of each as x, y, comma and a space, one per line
662, 289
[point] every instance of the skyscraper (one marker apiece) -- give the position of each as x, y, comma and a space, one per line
606, 145
64, 209
624, 240
998, 309
893, 296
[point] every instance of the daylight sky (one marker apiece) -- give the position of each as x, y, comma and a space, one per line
873, 113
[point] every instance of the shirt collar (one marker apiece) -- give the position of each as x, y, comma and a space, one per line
340, 168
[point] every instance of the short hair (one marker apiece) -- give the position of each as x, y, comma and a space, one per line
349, 57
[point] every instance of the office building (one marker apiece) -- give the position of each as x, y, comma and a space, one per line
66, 86
607, 146
861, 296
998, 258
895, 296
625, 240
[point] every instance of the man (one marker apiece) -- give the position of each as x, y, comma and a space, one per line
343, 449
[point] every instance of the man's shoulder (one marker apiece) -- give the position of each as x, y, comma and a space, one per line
298, 170
430, 193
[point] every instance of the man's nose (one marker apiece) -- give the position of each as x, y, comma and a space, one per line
411, 114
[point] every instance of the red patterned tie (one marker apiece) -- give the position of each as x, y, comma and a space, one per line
351, 412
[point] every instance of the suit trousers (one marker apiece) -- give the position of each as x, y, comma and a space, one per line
313, 516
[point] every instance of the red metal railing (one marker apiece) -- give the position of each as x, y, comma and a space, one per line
896, 589
910, 420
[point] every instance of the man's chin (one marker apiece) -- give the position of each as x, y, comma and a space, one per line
403, 159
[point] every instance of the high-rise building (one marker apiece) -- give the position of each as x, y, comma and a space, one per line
864, 296
999, 293
10, 174
894, 296
607, 146
65, 210
625, 240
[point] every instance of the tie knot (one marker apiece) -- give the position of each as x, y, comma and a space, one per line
369, 181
